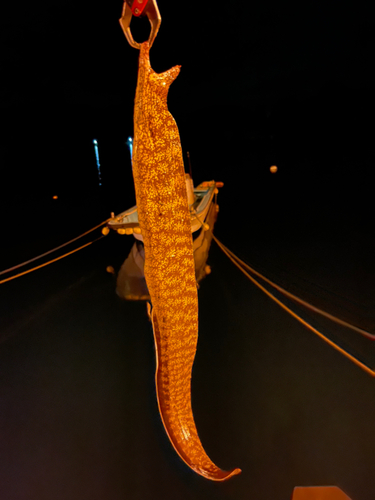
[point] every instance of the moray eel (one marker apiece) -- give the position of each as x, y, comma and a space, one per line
164, 219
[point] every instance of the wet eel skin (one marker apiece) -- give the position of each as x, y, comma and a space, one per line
164, 220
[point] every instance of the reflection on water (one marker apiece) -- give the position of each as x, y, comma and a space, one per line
131, 283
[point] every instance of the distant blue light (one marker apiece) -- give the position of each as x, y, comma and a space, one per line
95, 142
129, 143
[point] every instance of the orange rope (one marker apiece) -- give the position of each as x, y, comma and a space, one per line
291, 296
50, 251
49, 262
298, 318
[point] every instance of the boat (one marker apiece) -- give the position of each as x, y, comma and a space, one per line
200, 199
131, 284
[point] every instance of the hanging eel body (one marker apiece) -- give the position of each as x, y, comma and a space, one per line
164, 220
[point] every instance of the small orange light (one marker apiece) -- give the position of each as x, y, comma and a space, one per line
55, 197
273, 169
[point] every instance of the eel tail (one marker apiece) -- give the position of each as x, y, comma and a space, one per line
173, 389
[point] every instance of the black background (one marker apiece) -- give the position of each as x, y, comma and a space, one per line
261, 84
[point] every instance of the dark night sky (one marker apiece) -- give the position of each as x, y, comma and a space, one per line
54, 56
270, 79
68, 74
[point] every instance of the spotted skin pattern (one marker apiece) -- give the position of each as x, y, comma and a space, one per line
164, 220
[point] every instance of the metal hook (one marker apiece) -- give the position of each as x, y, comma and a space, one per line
138, 8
